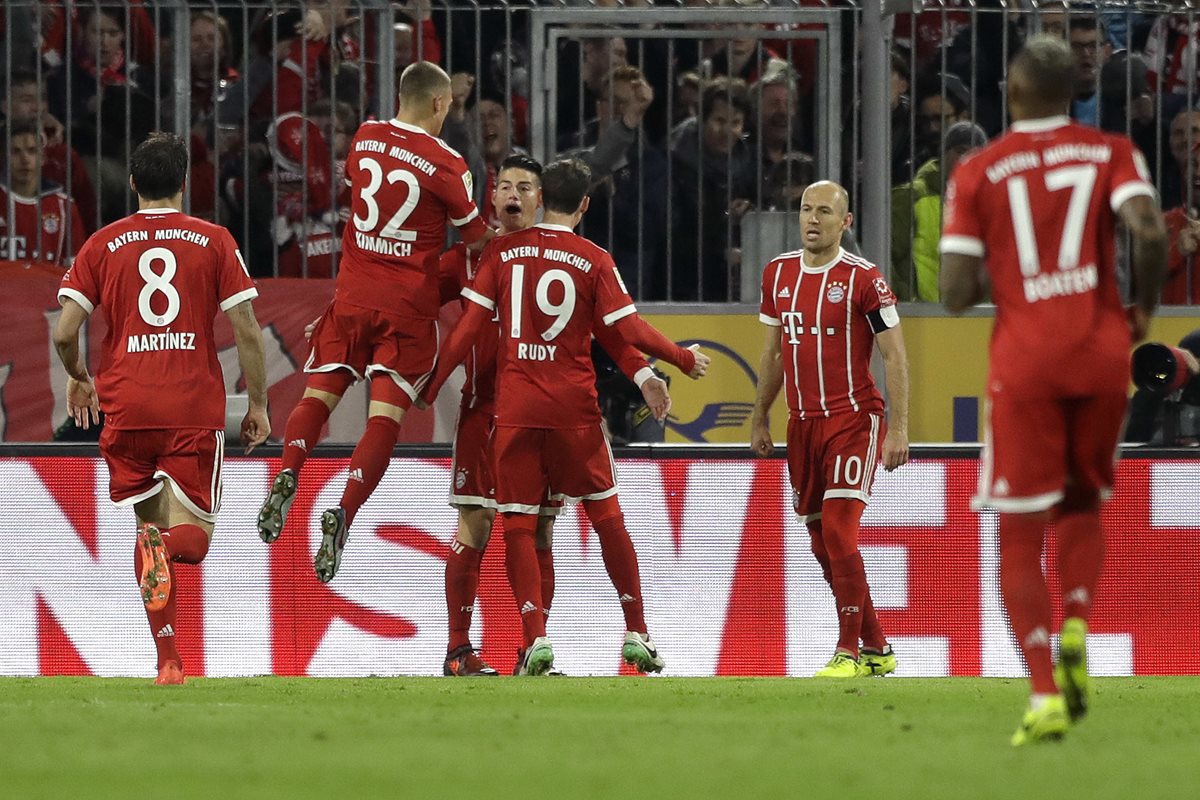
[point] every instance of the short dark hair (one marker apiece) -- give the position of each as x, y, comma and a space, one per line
1082, 22
564, 185
159, 166
25, 77
732, 91
522, 161
23, 127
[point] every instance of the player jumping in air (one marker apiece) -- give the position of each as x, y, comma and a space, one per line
517, 198
161, 276
1039, 208
825, 310
550, 288
406, 185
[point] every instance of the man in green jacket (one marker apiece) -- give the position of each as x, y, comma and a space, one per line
917, 217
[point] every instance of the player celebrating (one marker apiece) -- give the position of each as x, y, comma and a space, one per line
161, 276
550, 288
406, 184
516, 198
1040, 207
823, 309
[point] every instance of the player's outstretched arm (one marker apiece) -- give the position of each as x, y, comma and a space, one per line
82, 403
961, 282
247, 335
473, 323
637, 369
770, 381
645, 337
1142, 217
895, 367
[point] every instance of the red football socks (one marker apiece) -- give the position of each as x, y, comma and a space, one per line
1026, 597
462, 586
187, 544
369, 462
546, 567
849, 592
1080, 559
620, 559
303, 431
162, 622
524, 576
835, 539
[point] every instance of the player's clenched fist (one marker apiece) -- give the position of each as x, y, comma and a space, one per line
895, 449
760, 437
256, 427
702, 362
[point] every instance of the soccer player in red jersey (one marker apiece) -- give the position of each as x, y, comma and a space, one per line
516, 198
825, 310
549, 289
45, 224
161, 276
1039, 207
406, 184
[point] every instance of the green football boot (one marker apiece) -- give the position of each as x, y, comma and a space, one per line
1071, 673
1043, 724
842, 665
878, 662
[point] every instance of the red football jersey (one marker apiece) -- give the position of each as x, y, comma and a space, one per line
458, 267
1039, 206
827, 318
51, 216
405, 186
161, 276
550, 287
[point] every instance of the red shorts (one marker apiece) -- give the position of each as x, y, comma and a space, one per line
189, 459
537, 466
370, 343
472, 467
832, 458
1035, 448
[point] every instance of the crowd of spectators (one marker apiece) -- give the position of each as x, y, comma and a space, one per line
685, 135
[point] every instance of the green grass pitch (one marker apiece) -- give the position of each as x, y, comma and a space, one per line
585, 738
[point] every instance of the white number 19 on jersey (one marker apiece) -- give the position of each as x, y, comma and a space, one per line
561, 311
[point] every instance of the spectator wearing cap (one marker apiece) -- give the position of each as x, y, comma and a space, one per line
917, 216
1090, 49
942, 101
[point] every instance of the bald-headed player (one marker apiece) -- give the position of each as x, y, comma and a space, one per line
406, 185
825, 310
1039, 208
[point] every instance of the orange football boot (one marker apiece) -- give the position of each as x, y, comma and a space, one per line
170, 674
156, 571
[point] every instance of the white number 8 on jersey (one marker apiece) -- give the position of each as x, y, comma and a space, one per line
155, 283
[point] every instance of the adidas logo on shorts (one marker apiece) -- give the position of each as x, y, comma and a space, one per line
528, 608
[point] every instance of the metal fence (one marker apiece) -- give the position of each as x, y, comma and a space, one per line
703, 121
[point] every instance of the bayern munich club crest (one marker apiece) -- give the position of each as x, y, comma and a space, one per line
836, 292
50, 224
460, 479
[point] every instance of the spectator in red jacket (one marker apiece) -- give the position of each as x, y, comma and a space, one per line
27, 102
